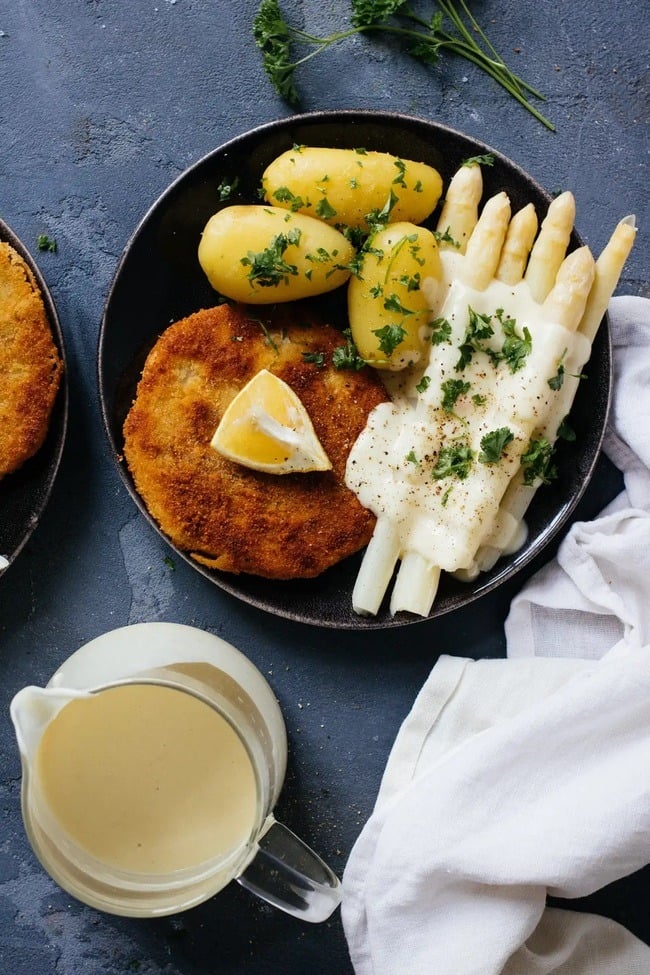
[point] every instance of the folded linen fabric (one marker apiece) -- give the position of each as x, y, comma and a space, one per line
512, 779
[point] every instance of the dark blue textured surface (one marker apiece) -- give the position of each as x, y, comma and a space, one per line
102, 105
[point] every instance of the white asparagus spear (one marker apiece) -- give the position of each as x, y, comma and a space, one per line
376, 569
550, 247
566, 301
416, 585
609, 267
460, 209
484, 246
517, 245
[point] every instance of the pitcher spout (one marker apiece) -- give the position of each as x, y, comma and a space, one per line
31, 711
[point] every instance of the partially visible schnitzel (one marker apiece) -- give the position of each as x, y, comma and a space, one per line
30, 366
228, 516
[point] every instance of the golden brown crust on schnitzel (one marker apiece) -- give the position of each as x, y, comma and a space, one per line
30, 366
230, 517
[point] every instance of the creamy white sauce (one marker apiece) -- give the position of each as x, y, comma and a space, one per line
390, 466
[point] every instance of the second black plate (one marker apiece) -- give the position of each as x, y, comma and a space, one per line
24, 494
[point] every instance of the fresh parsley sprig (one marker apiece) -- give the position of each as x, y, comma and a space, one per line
486, 159
346, 356
479, 329
268, 267
446, 238
390, 336
46, 243
537, 462
455, 460
493, 445
451, 390
440, 331
516, 347
453, 28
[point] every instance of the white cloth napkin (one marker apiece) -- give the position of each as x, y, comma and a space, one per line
511, 779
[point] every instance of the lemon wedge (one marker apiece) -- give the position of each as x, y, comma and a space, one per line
267, 428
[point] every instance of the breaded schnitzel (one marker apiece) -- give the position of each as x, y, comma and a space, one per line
30, 366
228, 516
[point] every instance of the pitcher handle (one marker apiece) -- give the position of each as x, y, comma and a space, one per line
285, 872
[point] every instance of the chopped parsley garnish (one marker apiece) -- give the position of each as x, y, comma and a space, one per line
394, 254
454, 461
377, 219
415, 250
493, 445
557, 381
46, 243
411, 458
411, 283
451, 390
487, 159
269, 268
445, 498
392, 303
441, 331
536, 462
479, 400
361, 152
346, 356
169, 562
227, 187
401, 169
268, 338
324, 209
354, 184
298, 147
317, 358
377, 291
356, 236
566, 432
390, 336
516, 347
446, 238
418, 187
478, 329
424, 384
284, 195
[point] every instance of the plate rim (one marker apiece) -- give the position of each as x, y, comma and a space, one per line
223, 580
62, 399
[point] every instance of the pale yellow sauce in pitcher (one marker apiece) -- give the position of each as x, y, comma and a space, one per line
147, 778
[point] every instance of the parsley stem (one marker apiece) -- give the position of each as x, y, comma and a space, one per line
495, 69
448, 8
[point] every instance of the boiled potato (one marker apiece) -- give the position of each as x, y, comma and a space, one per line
260, 255
387, 308
342, 186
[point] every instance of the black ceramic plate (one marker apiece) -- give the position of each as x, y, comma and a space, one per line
159, 280
24, 494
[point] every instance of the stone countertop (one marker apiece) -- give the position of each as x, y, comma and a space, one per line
102, 105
